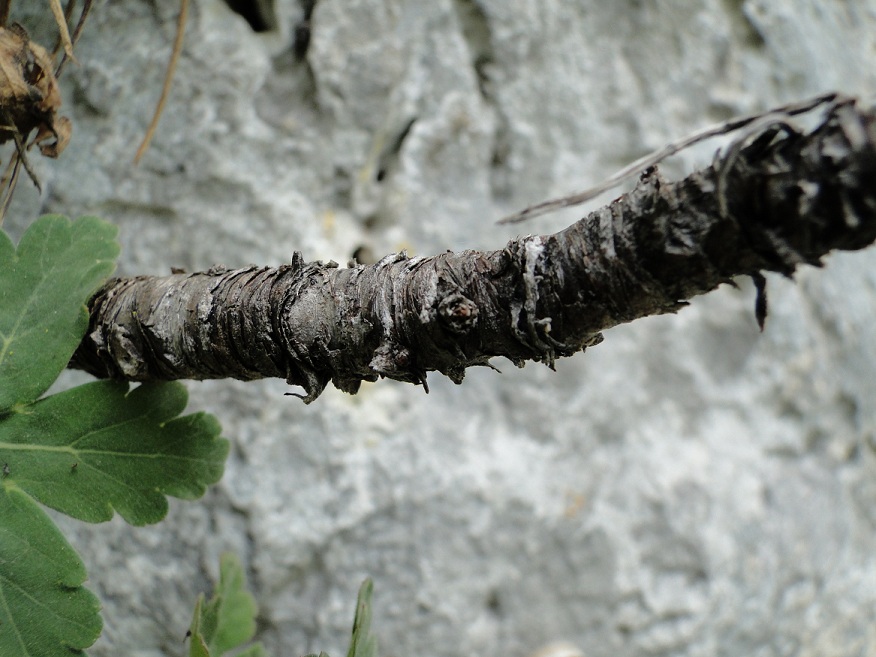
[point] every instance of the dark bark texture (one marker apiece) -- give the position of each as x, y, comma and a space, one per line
776, 198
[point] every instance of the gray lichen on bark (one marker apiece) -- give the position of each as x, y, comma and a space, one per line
776, 198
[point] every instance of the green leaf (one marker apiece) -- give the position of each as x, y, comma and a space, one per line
85, 452
99, 447
227, 621
44, 286
198, 645
363, 643
44, 611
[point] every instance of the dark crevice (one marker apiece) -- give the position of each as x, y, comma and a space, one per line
259, 14
477, 35
301, 39
501, 176
494, 603
292, 89
302, 31
389, 155
475, 27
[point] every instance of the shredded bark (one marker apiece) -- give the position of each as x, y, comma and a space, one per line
777, 198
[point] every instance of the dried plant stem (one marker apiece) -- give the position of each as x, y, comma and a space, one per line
63, 31
777, 199
168, 79
8, 183
77, 32
652, 159
68, 15
20, 155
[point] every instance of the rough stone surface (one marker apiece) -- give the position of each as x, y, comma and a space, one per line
689, 487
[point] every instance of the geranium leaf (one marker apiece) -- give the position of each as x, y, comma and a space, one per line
98, 448
44, 611
44, 285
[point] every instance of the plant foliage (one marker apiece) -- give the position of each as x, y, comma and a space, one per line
227, 620
44, 285
363, 643
88, 451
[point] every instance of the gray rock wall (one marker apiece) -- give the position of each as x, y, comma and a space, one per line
689, 487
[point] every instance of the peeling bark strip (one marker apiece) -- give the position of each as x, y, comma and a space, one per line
777, 198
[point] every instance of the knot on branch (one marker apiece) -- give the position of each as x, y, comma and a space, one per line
458, 312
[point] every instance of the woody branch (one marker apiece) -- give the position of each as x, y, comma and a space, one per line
776, 198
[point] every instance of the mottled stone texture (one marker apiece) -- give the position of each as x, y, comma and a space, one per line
688, 487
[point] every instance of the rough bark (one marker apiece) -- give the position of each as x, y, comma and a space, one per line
776, 198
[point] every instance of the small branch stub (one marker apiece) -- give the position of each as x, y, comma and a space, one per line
460, 314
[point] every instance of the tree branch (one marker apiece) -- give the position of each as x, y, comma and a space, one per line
776, 198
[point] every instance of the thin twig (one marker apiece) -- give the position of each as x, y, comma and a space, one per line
20, 147
86, 8
667, 151
63, 32
68, 15
5, 6
15, 165
168, 79
21, 152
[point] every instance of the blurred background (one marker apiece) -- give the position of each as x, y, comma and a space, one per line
689, 487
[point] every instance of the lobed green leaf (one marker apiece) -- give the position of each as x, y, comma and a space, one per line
44, 611
100, 447
85, 452
44, 286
